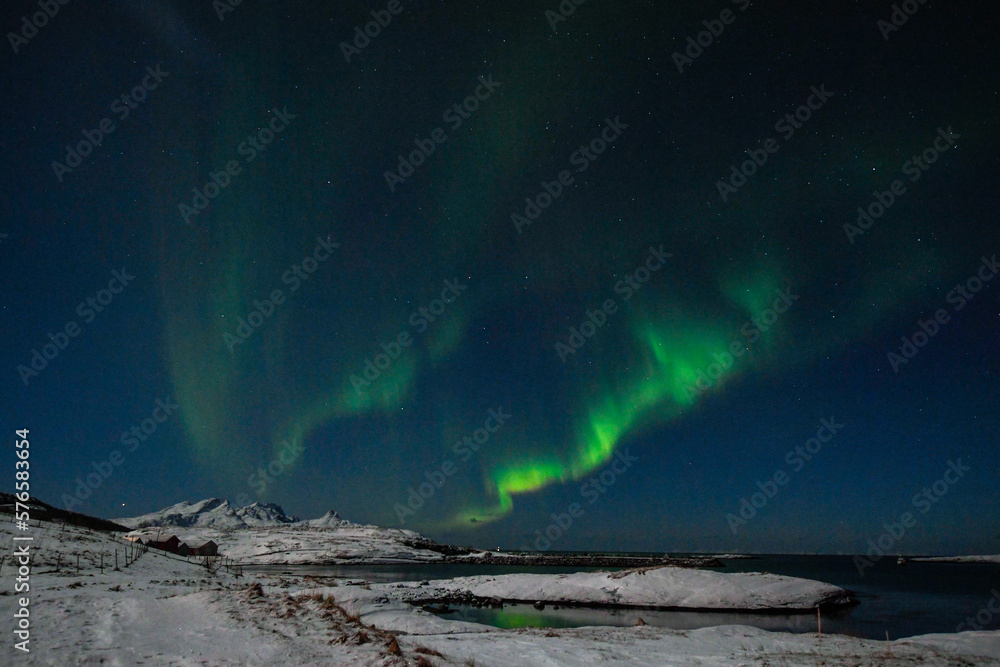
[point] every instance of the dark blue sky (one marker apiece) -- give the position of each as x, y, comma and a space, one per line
441, 355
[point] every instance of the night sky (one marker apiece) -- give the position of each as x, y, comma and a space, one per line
497, 271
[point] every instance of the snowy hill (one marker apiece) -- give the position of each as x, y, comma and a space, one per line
264, 514
329, 520
212, 513
262, 533
654, 588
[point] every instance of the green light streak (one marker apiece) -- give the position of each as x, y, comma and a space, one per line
659, 387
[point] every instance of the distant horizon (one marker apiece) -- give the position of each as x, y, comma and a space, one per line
302, 518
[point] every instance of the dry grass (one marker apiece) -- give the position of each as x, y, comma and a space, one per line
254, 591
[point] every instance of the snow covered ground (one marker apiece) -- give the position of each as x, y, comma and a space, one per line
661, 587
958, 559
163, 610
726, 645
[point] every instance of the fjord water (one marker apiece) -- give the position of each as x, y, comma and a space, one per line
913, 599
917, 598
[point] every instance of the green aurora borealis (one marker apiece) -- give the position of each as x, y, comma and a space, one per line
309, 372
287, 382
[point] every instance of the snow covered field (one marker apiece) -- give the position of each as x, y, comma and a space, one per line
164, 610
662, 587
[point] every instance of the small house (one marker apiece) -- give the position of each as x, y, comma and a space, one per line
209, 548
172, 544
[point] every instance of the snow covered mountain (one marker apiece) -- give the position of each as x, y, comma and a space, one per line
213, 513
329, 520
264, 514
262, 533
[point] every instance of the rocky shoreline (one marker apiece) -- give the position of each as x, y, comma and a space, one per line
459, 555
588, 560
525, 559
440, 604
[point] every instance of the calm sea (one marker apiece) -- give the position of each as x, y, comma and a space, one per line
914, 599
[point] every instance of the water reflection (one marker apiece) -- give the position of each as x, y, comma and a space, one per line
526, 616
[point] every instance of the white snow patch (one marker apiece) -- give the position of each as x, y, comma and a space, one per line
673, 587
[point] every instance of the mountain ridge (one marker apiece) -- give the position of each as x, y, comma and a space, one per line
220, 514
